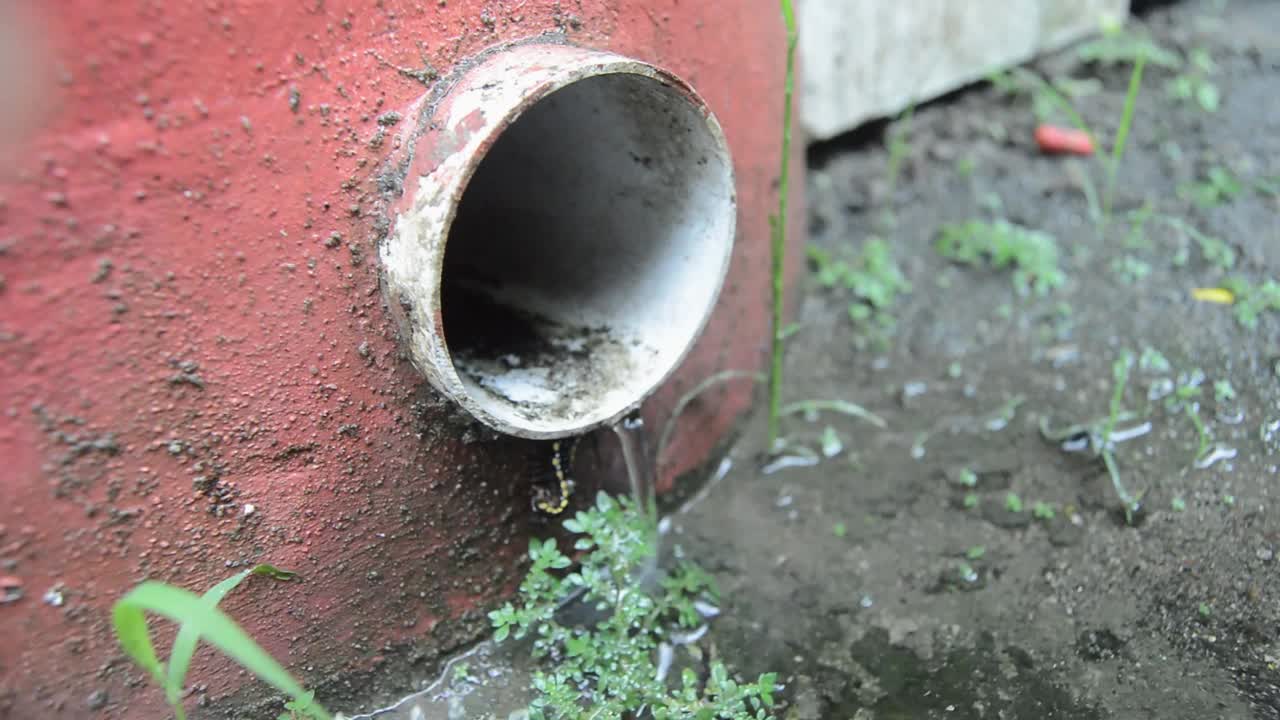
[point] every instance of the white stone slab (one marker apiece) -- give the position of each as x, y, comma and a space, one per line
864, 59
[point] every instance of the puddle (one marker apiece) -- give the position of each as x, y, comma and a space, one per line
885, 682
485, 683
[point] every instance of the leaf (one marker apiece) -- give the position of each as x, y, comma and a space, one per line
844, 407
501, 633
184, 645
135, 640
1208, 97
210, 623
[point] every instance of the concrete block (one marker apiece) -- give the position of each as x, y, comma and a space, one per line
864, 59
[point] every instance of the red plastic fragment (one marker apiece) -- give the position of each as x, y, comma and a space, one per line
1063, 141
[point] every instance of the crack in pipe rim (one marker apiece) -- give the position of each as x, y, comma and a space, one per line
490, 101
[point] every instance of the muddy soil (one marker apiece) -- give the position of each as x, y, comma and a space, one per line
899, 578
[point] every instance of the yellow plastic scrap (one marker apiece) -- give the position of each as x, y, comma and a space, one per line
1221, 296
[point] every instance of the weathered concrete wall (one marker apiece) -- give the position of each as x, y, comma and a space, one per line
870, 58
197, 371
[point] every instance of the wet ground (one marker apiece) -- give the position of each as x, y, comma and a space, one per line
957, 562
943, 537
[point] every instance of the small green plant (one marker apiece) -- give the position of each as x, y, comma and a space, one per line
970, 501
1033, 255
1251, 301
1119, 45
1130, 269
1120, 379
977, 552
1122, 135
1013, 503
1216, 252
830, 442
898, 144
812, 409
607, 670
1042, 510
200, 619
839, 530
778, 236
1116, 46
1153, 361
1203, 437
1178, 504
1193, 84
1049, 97
1099, 432
873, 279
1218, 187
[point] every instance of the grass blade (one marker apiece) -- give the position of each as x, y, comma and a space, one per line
184, 645
778, 227
135, 640
209, 623
1122, 133
844, 407
721, 377
1051, 93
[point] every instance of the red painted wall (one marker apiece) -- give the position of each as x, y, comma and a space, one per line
196, 370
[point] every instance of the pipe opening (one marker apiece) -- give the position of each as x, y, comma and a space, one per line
586, 252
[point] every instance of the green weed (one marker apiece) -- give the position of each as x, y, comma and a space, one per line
1203, 437
812, 408
874, 280
200, 619
778, 240
1013, 503
1194, 84
1251, 301
1042, 510
1120, 378
1151, 360
1218, 187
1099, 432
898, 144
1131, 269
1118, 45
1032, 254
1049, 97
1215, 251
1122, 135
607, 670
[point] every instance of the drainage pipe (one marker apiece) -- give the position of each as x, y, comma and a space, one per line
566, 227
